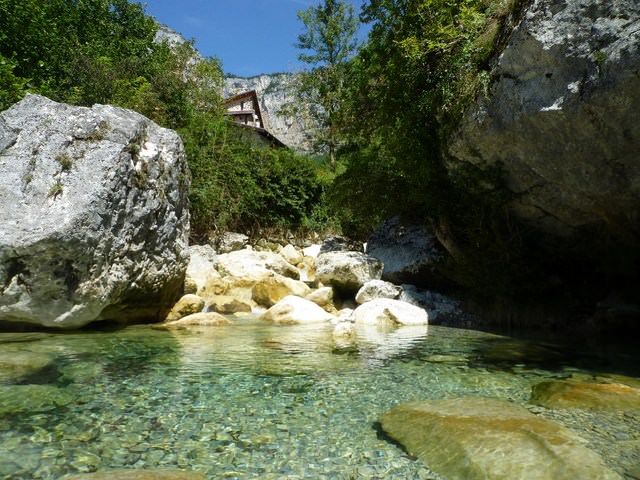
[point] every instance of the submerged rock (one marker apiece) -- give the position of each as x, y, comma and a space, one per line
386, 311
16, 399
151, 474
293, 310
15, 366
94, 215
597, 396
347, 271
483, 438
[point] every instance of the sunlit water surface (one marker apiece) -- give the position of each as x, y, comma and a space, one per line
257, 401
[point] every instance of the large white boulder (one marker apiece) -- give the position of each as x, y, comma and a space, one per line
377, 289
385, 311
293, 310
253, 265
347, 271
291, 254
94, 215
268, 291
202, 278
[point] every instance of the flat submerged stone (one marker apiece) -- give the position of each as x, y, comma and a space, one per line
596, 396
483, 438
138, 475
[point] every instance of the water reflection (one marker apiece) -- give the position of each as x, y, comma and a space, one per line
253, 400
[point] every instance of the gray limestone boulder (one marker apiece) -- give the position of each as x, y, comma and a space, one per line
377, 289
94, 215
336, 243
230, 242
562, 116
347, 271
410, 253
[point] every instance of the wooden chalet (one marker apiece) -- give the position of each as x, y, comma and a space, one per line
244, 110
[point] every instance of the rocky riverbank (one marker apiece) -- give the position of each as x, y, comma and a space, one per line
322, 283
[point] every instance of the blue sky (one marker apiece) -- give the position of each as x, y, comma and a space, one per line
249, 36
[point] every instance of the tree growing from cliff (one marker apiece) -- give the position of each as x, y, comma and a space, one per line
327, 42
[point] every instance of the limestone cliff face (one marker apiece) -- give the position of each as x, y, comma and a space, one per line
563, 116
273, 93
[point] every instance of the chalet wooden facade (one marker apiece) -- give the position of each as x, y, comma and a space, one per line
244, 110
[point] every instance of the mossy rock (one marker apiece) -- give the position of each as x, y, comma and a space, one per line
483, 438
138, 475
587, 395
17, 365
16, 399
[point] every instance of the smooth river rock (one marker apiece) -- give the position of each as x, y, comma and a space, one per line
347, 271
483, 438
270, 290
94, 217
187, 305
151, 474
377, 289
202, 319
386, 311
293, 310
596, 396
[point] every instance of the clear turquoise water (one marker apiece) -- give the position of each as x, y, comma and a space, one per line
256, 401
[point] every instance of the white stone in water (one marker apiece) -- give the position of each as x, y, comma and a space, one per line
295, 310
385, 311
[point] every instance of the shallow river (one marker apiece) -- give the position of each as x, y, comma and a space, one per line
255, 401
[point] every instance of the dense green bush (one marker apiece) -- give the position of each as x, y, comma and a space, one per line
240, 184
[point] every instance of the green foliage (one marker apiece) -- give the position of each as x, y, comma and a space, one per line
425, 61
56, 189
12, 87
327, 43
75, 50
242, 185
65, 162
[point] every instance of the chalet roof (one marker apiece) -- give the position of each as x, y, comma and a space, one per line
263, 133
252, 95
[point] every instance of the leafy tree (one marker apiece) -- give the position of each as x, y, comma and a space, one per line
328, 41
